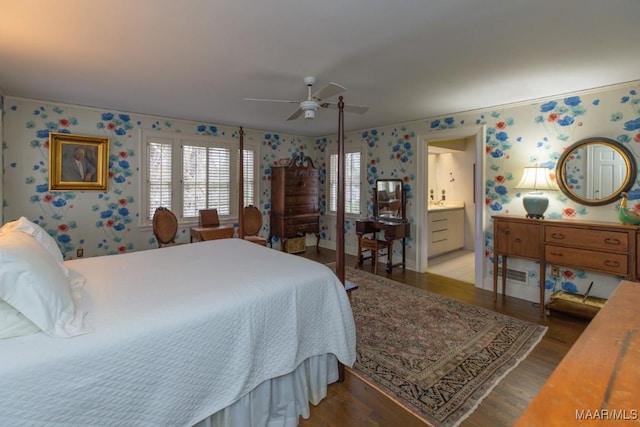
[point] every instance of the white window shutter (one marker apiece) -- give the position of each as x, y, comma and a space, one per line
219, 179
194, 180
248, 179
352, 183
159, 181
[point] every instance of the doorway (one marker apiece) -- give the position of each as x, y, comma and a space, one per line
475, 137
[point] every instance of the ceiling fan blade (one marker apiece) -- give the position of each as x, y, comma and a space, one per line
358, 109
272, 100
332, 89
295, 114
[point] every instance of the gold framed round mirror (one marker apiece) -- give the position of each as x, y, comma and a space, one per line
595, 171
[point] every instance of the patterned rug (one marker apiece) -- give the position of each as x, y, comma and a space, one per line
435, 356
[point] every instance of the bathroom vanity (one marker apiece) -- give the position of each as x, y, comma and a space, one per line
446, 227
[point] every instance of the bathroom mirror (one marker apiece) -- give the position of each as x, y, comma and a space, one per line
389, 200
595, 171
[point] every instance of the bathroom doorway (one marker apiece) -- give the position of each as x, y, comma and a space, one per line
450, 204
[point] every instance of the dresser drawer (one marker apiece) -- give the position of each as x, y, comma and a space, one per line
301, 209
605, 262
308, 227
296, 220
302, 199
294, 190
301, 173
605, 240
300, 184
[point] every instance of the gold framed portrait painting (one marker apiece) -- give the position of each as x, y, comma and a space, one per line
78, 162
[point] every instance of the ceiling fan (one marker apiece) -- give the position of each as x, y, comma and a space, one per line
317, 100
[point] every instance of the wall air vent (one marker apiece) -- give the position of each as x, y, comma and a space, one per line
514, 275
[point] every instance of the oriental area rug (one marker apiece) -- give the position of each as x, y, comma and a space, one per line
433, 355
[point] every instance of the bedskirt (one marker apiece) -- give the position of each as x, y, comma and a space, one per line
280, 401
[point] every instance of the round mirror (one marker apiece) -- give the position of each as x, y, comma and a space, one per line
595, 171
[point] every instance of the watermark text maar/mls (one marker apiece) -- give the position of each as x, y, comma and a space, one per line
606, 414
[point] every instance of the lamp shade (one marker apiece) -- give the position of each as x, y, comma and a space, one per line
536, 178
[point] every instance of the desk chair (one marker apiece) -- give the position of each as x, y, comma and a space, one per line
165, 227
209, 218
375, 246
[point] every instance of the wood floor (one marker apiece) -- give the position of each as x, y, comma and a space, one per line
355, 403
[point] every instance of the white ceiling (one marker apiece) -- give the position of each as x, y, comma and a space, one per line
405, 59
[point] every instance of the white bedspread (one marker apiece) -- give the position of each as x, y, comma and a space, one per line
180, 333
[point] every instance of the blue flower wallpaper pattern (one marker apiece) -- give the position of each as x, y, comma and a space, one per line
525, 134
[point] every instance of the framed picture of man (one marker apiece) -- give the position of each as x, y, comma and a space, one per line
78, 162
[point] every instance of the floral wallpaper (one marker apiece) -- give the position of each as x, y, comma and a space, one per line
102, 223
526, 134
518, 135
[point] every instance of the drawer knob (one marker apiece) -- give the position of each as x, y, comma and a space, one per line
612, 241
558, 236
556, 253
611, 263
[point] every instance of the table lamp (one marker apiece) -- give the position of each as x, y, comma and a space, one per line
536, 178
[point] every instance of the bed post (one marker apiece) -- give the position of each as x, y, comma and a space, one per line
340, 210
340, 195
241, 185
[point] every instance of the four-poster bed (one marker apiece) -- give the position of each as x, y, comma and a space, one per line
184, 335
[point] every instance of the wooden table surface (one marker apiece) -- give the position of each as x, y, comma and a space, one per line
212, 233
598, 382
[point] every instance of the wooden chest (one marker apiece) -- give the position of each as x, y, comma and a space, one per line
294, 200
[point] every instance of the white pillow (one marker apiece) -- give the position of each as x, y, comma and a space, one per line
13, 323
32, 282
26, 226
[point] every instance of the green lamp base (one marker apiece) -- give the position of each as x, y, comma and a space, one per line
535, 204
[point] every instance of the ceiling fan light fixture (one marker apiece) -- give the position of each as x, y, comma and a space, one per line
315, 101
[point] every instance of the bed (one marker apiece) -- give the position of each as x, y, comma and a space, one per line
222, 332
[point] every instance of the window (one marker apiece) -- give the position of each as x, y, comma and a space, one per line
206, 180
353, 163
158, 186
186, 174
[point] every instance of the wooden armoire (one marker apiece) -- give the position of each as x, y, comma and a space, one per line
294, 201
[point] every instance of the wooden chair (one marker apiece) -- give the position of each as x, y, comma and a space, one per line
165, 227
209, 218
375, 246
252, 224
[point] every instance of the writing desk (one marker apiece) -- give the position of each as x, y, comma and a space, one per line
392, 231
212, 233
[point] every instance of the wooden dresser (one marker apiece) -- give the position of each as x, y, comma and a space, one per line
294, 201
602, 247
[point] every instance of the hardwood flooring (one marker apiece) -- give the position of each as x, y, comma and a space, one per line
355, 403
